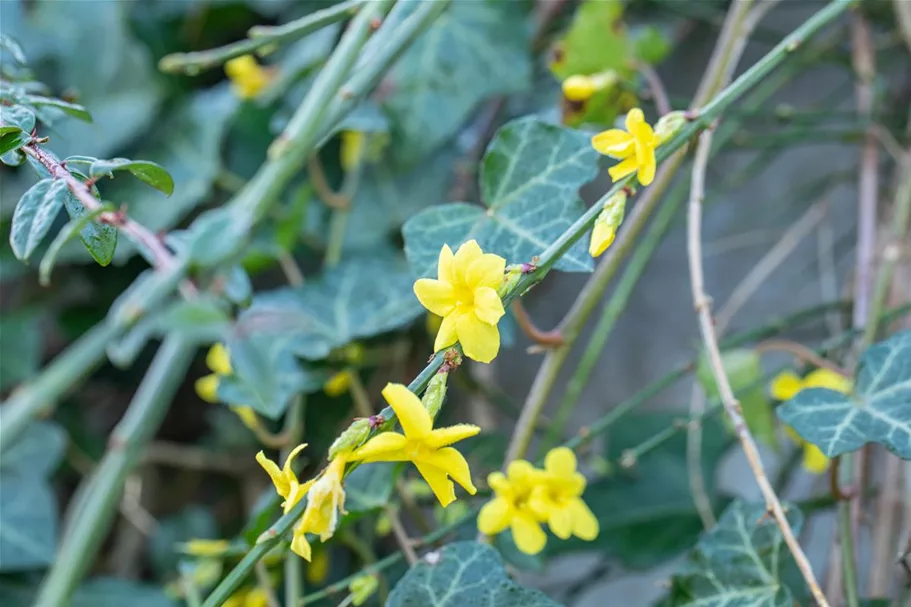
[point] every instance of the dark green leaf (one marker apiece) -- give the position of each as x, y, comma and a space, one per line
100, 239
21, 343
877, 412
71, 109
28, 522
740, 562
36, 453
98, 592
34, 215
66, 233
144, 170
474, 51
530, 180
12, 141
16, 118
461, 574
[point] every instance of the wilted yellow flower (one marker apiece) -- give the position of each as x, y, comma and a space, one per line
510, 508
426, 448
635, 147
605, 228
337, 384
285, 480
247, 76
253, 597
465, 295
786, 386
352, 149
325, 500
558, 500
198, 547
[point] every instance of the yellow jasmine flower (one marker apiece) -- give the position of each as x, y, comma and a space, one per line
198, 547
510, 508
337, 384
558, 500
325, 500
352, 149
465, 295
285, 480
426, 448
248, 78
319, 567
255, 597
786, 386
219, 363
635, 147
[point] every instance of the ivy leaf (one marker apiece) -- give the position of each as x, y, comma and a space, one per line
34, 215
151, 173
740, 562
28, 522
37, 452
370, 487
463, 573
877, 412
475, 50
16, 118
530, 178
361, 297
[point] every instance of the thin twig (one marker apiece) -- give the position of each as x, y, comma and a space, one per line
546, 339
333, 199
359, 394
702, 304
694, 457
265, 583
401, 536
802, 352
289, 267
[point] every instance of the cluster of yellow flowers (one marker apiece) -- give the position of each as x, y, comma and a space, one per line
787, 385
219, 362
527, 497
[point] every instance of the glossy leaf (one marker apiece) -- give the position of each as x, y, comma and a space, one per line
9, 144
66, 233
151, 173
100, 239
530, 180
460, 574
28, 522
879, 410
16, 118
474, 51
34, 215
742, 561
70, 109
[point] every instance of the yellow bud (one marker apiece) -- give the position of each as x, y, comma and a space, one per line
218, 360
248, 416
579, 88
362, 588
207, 388
435, 394
383, 524
605, 228
319, 567
337, 384
668, 126
351, 438
352, 149
510, 278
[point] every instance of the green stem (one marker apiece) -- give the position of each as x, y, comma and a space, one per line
340, 216
259, 37
846, 537
89, 525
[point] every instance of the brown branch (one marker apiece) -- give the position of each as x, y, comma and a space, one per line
401, 536
834, 487
547, 339
702, 305
332, 198
802, 352
158, 253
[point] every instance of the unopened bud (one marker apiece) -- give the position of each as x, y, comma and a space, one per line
351, 438
362, 588
435, 393
668, 126
605, 228
510, 278
580, 88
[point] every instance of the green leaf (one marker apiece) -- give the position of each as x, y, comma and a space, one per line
66, 233
151, 173
28, 522
16, 118
877, 412
474, 51
71, 109
100, 239
744, 370
98, 592
36, 453
740, 562
530, 180
6, 42
34, 215
217, 236
646, 514
21, 344
12, 141
370, 487
595, 42
460, 574
361, 297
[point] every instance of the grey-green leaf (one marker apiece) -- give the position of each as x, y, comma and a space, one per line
474, 51
100, 239
530, 179
28, 522
16, 118
36, 453
460, 574
741, 562
34, 215
10, 142
66, 233
151, 173
71, 109
879, 411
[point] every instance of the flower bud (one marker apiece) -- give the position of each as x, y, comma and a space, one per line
580, 88
362, 588
605, 228
351, 437
668, 126
436, 392
510, 278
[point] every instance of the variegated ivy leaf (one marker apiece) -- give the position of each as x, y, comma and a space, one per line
740, 562
879, 410
530, 180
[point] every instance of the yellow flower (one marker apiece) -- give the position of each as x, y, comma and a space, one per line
420, 444
786, 386
352, 149
197, 547
285, 480
558, 500
337, 384
605, 228
325, 500
254, 597
510, 507
465, 295
247, 76
635, 147
219, 363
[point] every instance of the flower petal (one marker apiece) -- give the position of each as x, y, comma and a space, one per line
621, 170
447, 335
287, 470
826, 378
435, 295
452, 462
488, 306
561, 462
527, 534
409, 410
218, 360
785, 386
495, 516
635, 121
467, 254
385, 447
585, 525
814, 460
613, 142
647, 166
480, 341
299, 544
278, 479
444, 267
207, 388
560, 521
497, 481
486, 271
439, 483
602, 237
443, 437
